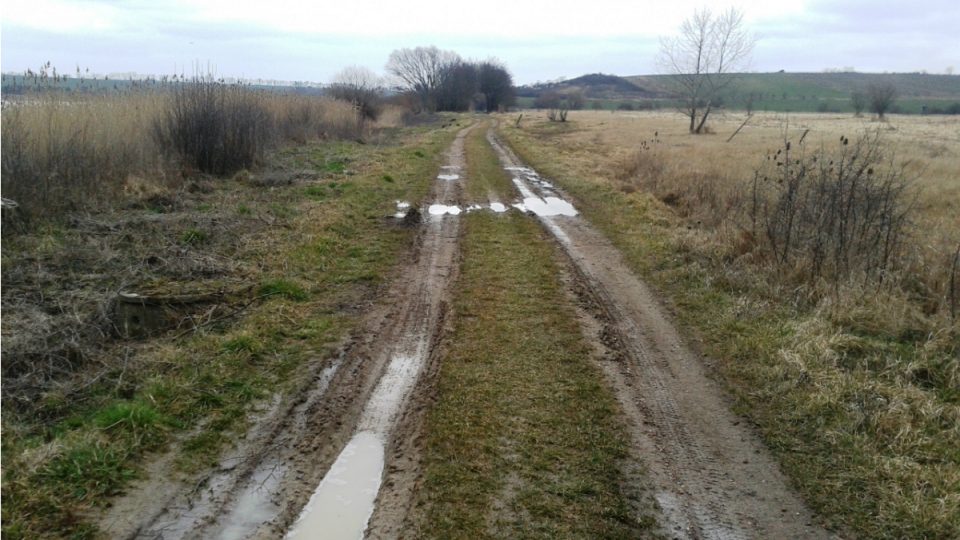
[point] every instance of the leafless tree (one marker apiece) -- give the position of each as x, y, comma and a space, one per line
361, 87
881, 96
859, 101
703, 58
421, 70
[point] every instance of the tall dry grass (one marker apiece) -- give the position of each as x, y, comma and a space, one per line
853, 377
855, 205
63, 153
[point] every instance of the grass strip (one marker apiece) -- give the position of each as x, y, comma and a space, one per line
487, 178
524, 441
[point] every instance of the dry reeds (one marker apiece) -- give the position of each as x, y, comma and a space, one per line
66, 153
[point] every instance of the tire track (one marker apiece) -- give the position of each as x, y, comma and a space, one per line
261, 487
712, 476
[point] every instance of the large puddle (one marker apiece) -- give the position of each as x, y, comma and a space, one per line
546, 206
343, 503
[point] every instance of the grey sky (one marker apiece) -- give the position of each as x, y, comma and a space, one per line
538, 39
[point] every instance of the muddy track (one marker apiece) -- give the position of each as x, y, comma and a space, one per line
712, 477
261, 486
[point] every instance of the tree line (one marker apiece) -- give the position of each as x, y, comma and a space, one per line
443, 81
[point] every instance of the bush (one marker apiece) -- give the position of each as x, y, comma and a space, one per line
831, 215
215, 128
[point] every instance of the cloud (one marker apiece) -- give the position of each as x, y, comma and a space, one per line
539, 39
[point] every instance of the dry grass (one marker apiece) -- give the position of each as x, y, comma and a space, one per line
855, 385
64, 153
83, 406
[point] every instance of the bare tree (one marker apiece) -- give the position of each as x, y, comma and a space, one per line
858, 99
703, 58
496, 85
881, 96
421, 70
361, 87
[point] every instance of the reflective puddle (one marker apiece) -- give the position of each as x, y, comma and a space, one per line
441, 209
343, 503
549, 206
448, 177
402, 207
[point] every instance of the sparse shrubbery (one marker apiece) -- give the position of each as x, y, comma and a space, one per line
66, 153
214, 128
830, 214
825, 219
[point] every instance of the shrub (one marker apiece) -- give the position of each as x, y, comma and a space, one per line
215, 128
831, 214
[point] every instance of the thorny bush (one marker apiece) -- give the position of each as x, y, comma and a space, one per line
831, 215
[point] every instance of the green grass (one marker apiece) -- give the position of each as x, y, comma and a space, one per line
524, 440
284, 288
486, 174
871, 446
69, 454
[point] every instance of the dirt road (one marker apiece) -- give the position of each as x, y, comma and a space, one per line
713, 477
338, 432
341, 456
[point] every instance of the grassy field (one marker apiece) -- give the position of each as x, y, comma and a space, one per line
309, 248
524, 440
854, 386
783, 92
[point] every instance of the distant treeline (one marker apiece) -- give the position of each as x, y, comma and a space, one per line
438, 80
48, 79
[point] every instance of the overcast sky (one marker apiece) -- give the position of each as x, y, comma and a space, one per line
311, 40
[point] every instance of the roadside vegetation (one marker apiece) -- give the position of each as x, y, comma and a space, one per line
524, 439
68, 152
847, 362
280, 255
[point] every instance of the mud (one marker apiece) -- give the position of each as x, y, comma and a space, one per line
352, 401
711, 475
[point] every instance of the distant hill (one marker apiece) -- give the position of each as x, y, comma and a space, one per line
593, 86
827, 92
793, 92
828, 84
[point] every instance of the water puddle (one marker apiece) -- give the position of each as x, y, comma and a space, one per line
549, 206
402, 207
546, 206
441, 209
448, 177
253, 507
343, 503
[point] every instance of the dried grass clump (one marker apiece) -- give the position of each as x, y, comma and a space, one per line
702, 195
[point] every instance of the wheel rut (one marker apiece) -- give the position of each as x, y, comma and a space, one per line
712, 477
339, 429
